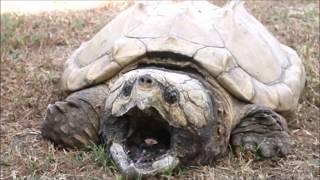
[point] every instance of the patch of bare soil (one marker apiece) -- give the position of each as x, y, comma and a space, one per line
34, 48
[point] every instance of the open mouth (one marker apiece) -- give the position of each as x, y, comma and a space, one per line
145, 145
148, 138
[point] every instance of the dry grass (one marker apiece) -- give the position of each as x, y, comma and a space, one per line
34, 47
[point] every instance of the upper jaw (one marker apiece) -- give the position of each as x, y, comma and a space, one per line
180, 99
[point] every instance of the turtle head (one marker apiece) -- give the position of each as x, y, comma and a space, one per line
157, 119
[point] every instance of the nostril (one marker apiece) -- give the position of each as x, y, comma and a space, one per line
142, 79
145, 80
149, 81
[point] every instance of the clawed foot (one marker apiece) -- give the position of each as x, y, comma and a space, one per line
70, 123
264, 132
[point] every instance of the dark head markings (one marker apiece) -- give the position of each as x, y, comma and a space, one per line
171, 95
126, 90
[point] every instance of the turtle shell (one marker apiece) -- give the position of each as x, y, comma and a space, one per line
227, 42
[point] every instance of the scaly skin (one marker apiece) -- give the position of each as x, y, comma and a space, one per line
262, 131
75, 121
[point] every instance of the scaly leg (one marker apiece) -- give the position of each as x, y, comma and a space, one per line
262, 131
75, 121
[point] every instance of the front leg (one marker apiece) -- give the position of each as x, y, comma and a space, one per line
75, 121
263, 131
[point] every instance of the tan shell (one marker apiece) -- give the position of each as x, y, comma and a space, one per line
228, 42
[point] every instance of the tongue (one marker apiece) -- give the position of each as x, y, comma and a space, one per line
150, 141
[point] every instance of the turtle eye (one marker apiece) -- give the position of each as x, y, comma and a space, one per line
171, 96
126, 90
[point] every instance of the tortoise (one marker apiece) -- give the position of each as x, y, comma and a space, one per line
176, 83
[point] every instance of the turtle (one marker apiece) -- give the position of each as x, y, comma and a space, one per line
165, 84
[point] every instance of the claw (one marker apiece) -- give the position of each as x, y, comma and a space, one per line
51, 109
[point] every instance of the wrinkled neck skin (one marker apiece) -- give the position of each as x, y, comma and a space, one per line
157, 118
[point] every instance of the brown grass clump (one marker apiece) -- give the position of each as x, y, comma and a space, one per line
34, 48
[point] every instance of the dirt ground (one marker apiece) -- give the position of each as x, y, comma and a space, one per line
34, 48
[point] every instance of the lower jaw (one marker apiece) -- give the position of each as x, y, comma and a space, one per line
130, 169
132, 154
